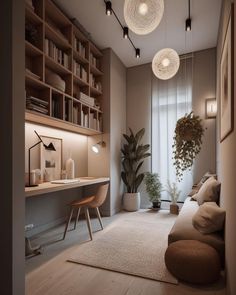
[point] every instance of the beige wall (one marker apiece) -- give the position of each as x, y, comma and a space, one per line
204, 86
227, 166
139, 108
108, 161
139, 111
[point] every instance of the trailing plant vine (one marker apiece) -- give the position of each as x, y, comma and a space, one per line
187, 142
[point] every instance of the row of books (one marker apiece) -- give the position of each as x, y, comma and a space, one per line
94, 83
87, 99
89, 121
37, 105
68, 110
56, 110
80, 71
78, 46
55, 53
94, 61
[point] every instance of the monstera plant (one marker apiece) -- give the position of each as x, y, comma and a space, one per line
187, 142
133, 155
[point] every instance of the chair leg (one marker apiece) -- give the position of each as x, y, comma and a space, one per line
68, 222
77, 218
88, 222
99, 216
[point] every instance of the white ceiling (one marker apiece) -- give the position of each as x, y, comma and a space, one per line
106, 32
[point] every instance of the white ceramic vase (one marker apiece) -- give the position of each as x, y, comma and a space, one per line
131, 201
70, 168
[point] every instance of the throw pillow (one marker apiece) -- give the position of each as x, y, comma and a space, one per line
209, 191
209, 218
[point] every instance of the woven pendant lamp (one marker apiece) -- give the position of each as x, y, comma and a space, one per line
143, 16
165, 63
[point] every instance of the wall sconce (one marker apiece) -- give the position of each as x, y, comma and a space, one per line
211, 108
96, 147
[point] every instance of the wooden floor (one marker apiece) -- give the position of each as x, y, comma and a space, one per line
50, 274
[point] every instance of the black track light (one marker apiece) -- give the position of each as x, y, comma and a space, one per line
137, 52
125, 32
188, 22
188, 25
108, 8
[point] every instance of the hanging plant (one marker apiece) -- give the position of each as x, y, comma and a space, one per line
187, 142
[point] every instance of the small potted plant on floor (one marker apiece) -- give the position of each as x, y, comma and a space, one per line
154, 189
133, 154
174, 193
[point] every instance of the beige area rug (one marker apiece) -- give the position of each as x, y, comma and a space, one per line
133, 245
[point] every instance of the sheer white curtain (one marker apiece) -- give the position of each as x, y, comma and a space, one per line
171, 100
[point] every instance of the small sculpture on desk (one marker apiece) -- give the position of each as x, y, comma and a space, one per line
70, 168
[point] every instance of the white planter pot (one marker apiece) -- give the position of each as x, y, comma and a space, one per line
131, 201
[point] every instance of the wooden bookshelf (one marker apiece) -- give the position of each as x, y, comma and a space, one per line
63, 72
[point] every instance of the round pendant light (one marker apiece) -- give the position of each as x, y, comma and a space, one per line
143, 16
165, 63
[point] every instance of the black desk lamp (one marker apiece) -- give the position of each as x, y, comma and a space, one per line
49, 147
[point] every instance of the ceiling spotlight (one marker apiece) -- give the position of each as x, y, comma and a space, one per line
165, 63
143, 16
137, 52
188, 22
188, 25
125, 32
108, 8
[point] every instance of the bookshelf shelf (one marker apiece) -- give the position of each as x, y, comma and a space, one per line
61, 50
32, 16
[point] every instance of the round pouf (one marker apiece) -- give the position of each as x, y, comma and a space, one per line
193, 262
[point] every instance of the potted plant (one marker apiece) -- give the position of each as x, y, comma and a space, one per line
153, 188
133, 154
174, 194
187, 142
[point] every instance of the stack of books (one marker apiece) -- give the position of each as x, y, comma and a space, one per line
87, 99
55, 53
37, 105
78, 46
56, 108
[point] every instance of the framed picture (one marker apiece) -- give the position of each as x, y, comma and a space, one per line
227, 81
51, 160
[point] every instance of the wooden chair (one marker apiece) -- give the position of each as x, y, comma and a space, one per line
86, 203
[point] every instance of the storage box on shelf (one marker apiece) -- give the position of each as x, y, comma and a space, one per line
63, 76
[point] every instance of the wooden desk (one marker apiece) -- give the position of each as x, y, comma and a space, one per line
48, 187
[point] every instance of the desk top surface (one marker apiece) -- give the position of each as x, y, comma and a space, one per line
48, 187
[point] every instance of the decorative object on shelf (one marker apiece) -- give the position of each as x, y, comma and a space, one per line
211, 108
226, 81
174, 194
188, 22
70, 168
187, 142
101, 144
125, 30
133, 154
165, 63
47, 147
143, 16
50, 159
55, 80
153, 188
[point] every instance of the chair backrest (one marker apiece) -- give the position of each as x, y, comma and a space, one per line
100, 196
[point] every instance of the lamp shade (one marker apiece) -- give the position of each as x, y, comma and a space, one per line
165, 63
143, 16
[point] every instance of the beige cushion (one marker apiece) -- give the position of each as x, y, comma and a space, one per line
209, 218
209, 191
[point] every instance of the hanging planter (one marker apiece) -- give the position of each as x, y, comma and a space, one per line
187, 142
